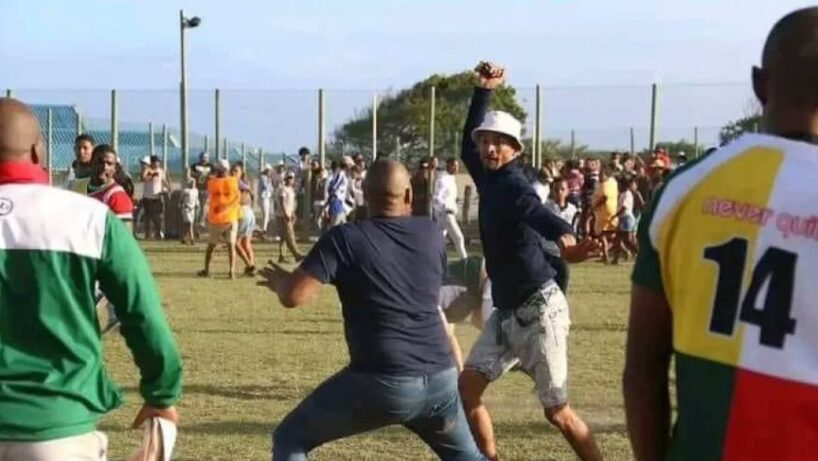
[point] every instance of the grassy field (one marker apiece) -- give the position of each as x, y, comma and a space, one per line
248, 362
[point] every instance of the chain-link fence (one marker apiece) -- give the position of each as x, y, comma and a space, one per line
268, 127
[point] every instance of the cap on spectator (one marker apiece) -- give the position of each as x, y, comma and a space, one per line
347, 160
267, 167
223, 164
146, 160
502, 123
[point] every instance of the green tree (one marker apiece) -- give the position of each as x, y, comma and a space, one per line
403, 118
734, 129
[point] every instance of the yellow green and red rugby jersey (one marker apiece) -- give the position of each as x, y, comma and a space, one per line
732, 242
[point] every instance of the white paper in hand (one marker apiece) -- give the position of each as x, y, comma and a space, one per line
158, 441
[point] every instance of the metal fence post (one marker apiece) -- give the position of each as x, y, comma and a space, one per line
9, 93
375, 126
114, 121
261, 159
216, 137
653, 103
225, 150
696, 142
150, 137
321, 148
50, 146
206, 145
537, 144
165, 148
79, 122
244, 155
432, 98
633, 143
573, 144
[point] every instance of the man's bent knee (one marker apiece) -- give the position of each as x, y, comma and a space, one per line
561, 416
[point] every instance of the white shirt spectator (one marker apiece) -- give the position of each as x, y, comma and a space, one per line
567, 214
357, 189
286, 198
154, 185
626, 201
337, 185
445, 197
542, 190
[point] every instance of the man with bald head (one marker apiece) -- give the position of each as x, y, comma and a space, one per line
388, 270
725, 283
55, 245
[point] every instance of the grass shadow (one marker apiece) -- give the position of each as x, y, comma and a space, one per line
229, 427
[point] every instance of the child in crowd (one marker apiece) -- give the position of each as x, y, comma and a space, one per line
190, 203
625, 242
247, 225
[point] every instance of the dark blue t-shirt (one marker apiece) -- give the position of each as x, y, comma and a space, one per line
388, 273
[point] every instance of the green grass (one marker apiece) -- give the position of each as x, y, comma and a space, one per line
248, 362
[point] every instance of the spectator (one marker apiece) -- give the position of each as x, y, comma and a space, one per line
337, 186
604, 206
54, 384
357, 190
318, 191
222, 216
590, 184
615, 163
237, 170
575, 180
304, 162
190, 205
628, 171
200, 172
285, 206
83, 151
420, 188
559, 204
247, 225
155, 185
445, 207
265, 197
400, 370
103, 186
625, 240
529, 171
541, 185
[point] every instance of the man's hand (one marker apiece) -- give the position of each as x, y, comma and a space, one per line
489, 76
147, 412
271, 276
574, 252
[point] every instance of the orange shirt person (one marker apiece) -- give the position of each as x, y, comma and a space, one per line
222, 215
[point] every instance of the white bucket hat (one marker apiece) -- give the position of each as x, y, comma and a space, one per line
503, 123
224, 164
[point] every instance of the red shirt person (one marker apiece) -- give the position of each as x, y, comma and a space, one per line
103, 185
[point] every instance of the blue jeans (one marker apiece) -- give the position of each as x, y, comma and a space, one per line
351, 403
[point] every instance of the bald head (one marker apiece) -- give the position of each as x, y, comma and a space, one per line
789, 73
19, 132
387, 189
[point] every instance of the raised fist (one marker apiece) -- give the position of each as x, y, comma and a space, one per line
489, 75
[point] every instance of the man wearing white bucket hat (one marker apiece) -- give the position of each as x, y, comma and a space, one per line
530, 325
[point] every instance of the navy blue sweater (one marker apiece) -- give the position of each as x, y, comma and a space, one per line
512, 218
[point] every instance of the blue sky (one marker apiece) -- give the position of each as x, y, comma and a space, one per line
355, 47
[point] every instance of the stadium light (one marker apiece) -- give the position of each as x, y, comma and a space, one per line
184, 23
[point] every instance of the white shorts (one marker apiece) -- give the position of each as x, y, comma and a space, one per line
535, 336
